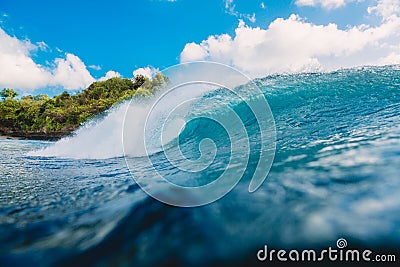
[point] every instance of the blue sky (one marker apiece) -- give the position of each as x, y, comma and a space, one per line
83, 40
122, 35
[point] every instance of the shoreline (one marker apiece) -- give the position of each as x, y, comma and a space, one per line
10, 137
33, 137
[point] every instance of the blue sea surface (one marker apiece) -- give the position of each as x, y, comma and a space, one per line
335, 175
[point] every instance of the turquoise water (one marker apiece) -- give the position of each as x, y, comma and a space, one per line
335, 174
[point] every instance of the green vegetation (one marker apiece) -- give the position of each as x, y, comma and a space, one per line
42, 117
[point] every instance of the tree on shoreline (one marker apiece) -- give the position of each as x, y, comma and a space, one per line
43, 116
8, 93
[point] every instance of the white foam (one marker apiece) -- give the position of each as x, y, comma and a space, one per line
97, 139
108, 137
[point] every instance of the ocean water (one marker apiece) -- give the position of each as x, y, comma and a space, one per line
335, 175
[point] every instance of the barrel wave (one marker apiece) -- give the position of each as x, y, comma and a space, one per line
335, 174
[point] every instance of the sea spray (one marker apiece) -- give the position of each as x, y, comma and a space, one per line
102, 137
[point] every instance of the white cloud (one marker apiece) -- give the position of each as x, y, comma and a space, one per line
252, 18
94, 67
386, 8
42, 46
71, 73
262, 5
229, 4
327, 4
293, 45
19, 70
230, 8
110, 74
3, 18
147, 72
193, 51
392, 58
